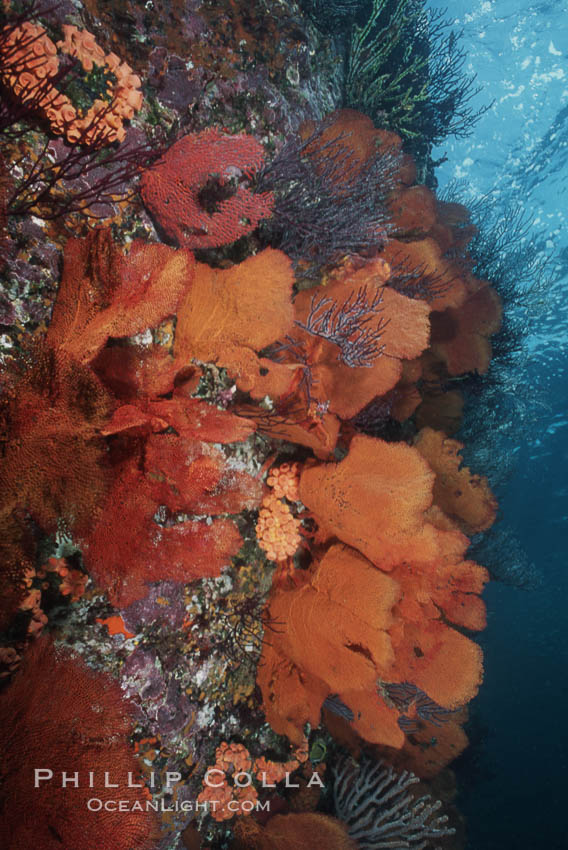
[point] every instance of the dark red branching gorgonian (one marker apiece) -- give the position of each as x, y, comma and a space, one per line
58, 179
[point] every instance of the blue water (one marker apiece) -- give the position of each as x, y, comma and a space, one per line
515, 777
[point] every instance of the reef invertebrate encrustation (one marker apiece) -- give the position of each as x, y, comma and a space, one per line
277, 529
31, 72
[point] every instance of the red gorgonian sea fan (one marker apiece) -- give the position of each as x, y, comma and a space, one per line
197, 191
61, 716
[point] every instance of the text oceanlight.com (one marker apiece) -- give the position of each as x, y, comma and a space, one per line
95, 804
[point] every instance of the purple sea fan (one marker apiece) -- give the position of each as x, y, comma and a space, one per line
346, 325
313, 222
408, 697
337, 706
381, 811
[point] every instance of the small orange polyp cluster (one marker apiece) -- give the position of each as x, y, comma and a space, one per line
226, 800
285, 480
227, 785
31, 59
272, 772
126, 94
277, 530
72, 584
234, 756
32, 604
82, 45
226, 796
